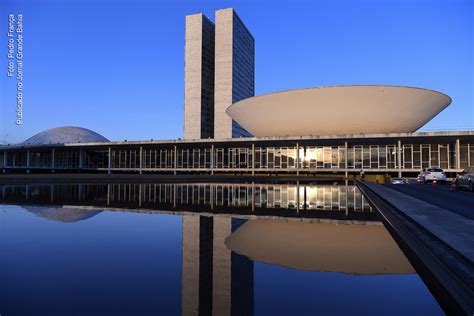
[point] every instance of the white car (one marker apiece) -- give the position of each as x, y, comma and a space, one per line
399, 181
432, 174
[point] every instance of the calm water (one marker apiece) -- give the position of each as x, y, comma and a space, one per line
167, 249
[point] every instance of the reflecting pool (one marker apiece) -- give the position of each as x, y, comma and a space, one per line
220, 249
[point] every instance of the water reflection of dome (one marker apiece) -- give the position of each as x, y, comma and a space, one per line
64, 135
328, 247
60, 213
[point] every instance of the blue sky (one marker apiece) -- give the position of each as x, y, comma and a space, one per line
116, 67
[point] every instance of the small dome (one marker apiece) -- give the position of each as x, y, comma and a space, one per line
64, 135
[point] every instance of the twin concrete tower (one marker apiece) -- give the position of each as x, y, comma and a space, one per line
219, 70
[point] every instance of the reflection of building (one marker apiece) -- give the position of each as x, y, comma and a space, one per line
278, 200
61, 213
217, 274
214, 279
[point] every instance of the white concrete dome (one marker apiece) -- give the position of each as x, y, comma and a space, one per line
339, 110
65, 135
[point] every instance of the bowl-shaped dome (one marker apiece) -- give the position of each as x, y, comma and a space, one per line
64, 135
339, 111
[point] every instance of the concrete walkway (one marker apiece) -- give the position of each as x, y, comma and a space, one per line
455, 230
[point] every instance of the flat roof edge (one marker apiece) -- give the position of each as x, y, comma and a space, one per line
252, 139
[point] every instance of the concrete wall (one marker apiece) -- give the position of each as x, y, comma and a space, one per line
219, 70
223, 74
199, 78
234, 70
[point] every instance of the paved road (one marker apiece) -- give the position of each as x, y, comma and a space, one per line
460, 202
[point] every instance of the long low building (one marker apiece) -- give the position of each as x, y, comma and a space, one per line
397, 154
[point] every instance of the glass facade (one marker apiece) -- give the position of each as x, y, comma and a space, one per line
207, 78
243, 68
65, 159
466, 155
249, 158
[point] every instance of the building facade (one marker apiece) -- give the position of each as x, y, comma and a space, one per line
219, 70
298, 132
199, 78
393, 154
234, 71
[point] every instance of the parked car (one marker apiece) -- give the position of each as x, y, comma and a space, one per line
432, 174
465, 179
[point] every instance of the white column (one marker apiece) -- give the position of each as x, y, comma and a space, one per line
81, 158
212, 159
109, 164
253, 159
175, 162
458, 154
399, 158
346, 156
297, 159
141, 160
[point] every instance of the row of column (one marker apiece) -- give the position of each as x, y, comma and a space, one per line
81, 158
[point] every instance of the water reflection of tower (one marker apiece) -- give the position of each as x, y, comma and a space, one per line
214, 279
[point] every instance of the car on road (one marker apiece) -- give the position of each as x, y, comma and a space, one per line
432, 174
399, 181
465, 179
419, 178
